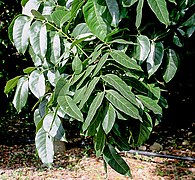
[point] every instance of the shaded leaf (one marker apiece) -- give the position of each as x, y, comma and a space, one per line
30, 5
77, 65
172, 65
139, 13
115, 161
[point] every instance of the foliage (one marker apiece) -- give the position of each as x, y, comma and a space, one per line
101, 63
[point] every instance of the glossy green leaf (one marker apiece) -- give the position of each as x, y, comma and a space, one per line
109, 118
121, 58
150, 104
21, 94
143, 48
114, 11
37, 14
30, 5
99, 141
122, 41
172, 65
122, 104
100, 64
69, 107
155, 57
37, 83
77, 65
92, 13
38, 38
139, 13
56, 48
79, 94
93, 109
21, 33
159, 7
44, 146
143, 132
11, 84
37, 117
89, 91
35, 58
81, 28
120, 86
115, 161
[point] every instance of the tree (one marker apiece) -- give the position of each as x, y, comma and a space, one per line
101, 63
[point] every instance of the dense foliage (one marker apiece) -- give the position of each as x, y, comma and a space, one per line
101, 63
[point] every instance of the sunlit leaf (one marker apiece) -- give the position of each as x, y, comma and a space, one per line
11, 84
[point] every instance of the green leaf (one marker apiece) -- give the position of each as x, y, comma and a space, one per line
128, 3
155, 57
93, 109
109, 119
159, 7
115, 161
60, 17
30, 5
79, 94
28, 70
100, 64
122, 41
99, 142
44, 146
139, 13
21, 94
87, 73
120, 86
38, 38
190, 21
92, 13
173, 1
37, 14
121, 58
95, 56
37, 117
23, 2
59, 85
11, 84
143, 48
21, 33
69, 107
56, 48
172, 65
77, 65
89, 91
37, 83
122, 104
81, 28
114, 11
143, 132
150, 104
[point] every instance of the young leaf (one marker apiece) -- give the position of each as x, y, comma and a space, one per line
120, 86
115, 161
139, 13
21, 29
37, 14
99, 141
11, 84
88, 92
21, 94
92, 13
114, 11
155, 57
122, 104
28, 70
44, 146
121, 58
37, 83
143, 132
159, 7
143, 48
93, 109
77, 65
109, 118
172, 65
69, 107
150, 104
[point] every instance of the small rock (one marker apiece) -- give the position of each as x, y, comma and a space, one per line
156, 147
142, 148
